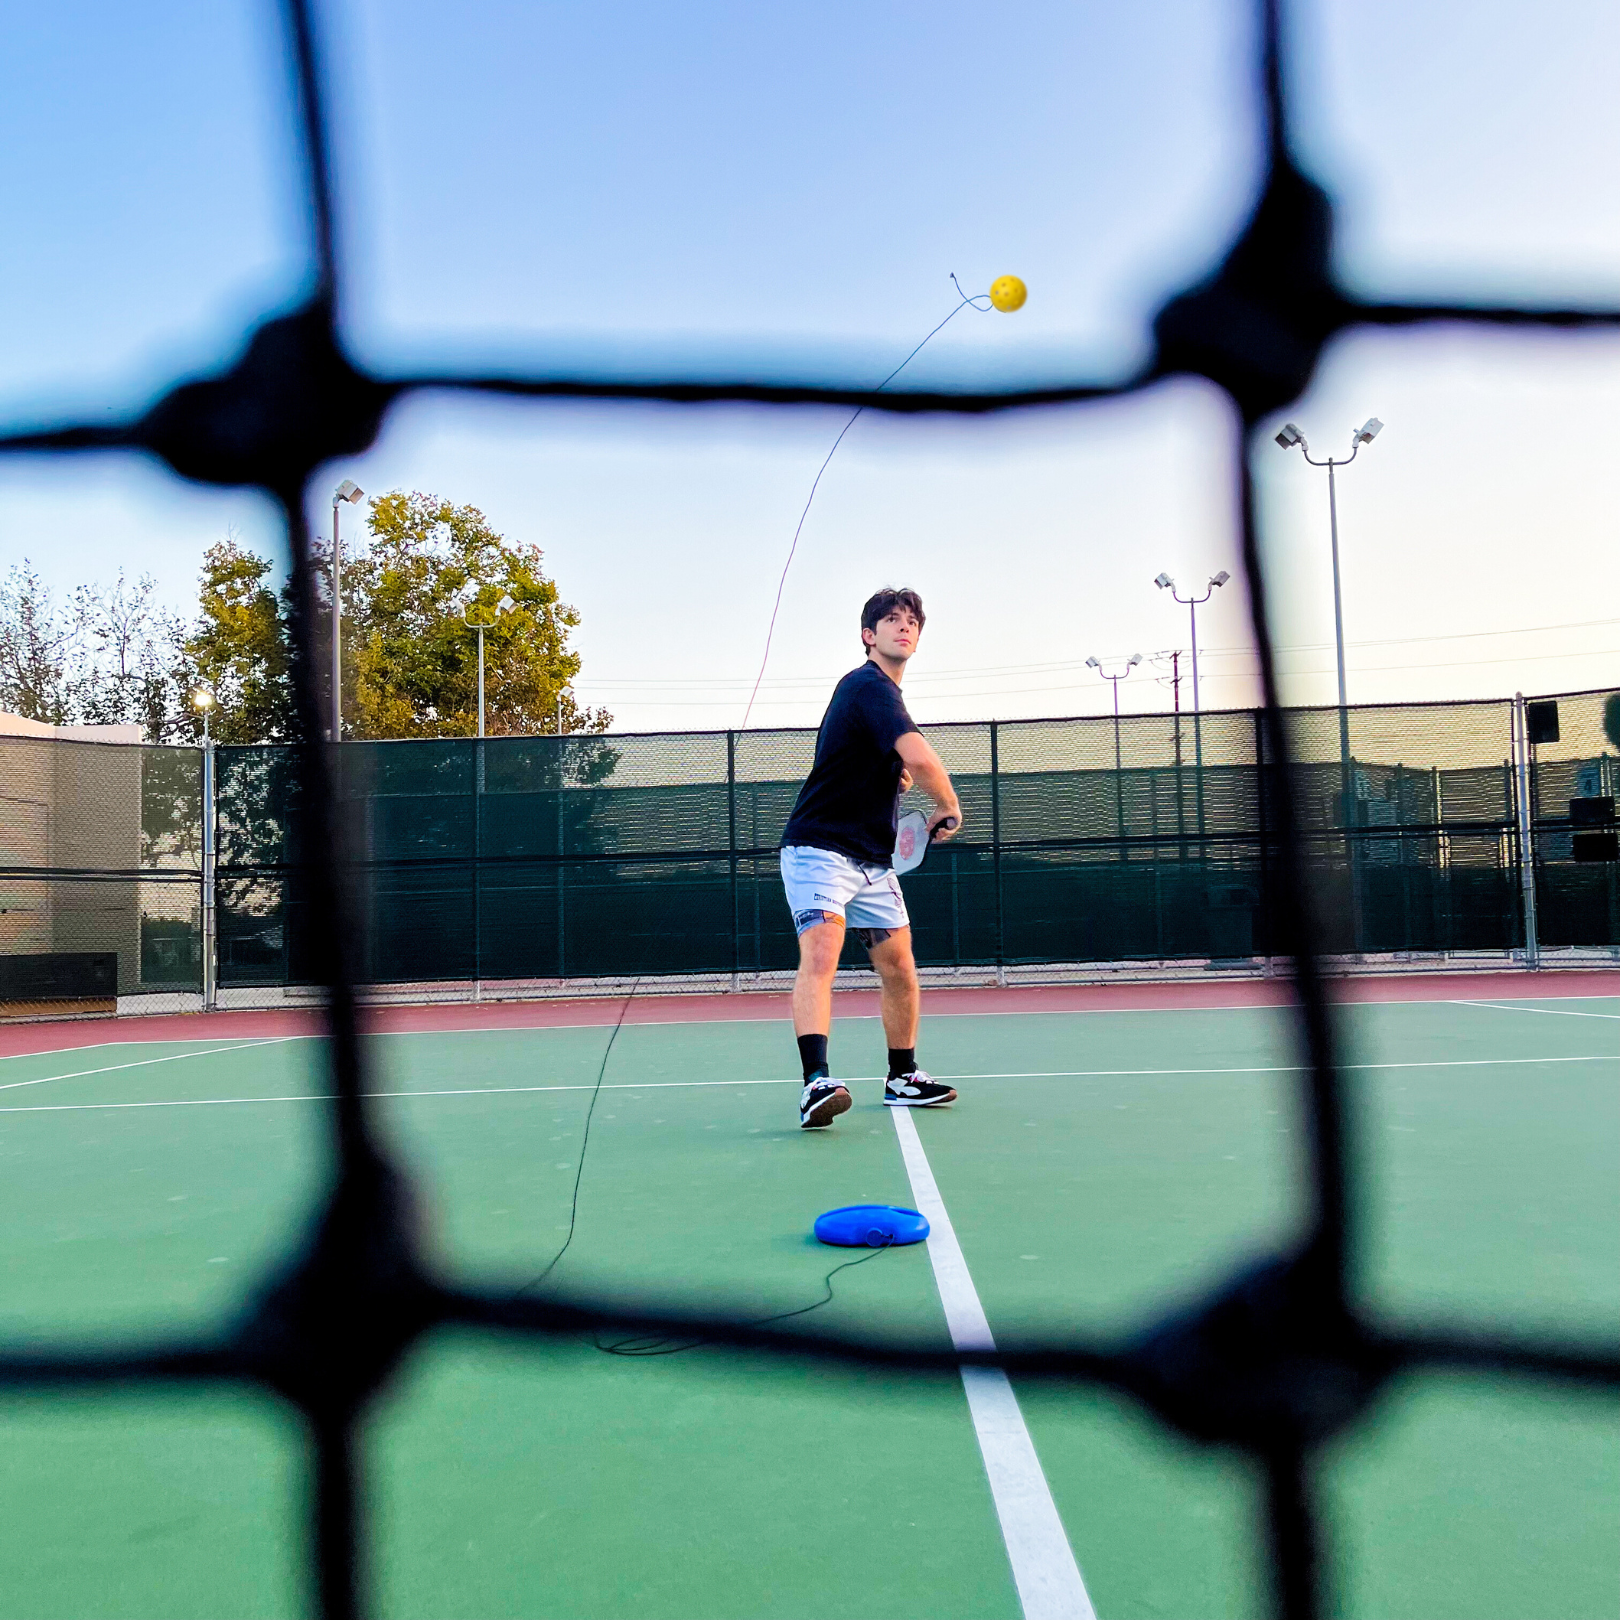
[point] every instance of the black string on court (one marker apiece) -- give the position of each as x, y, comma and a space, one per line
1275, 1362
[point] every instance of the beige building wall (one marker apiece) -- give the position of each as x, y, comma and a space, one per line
70, 798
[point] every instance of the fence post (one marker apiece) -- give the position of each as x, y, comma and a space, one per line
995, 845
478, 870
210, 922
1526, 820
562, 907
731, 844
1262, 792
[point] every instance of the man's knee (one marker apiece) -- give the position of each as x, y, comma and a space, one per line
890, 950
821, 943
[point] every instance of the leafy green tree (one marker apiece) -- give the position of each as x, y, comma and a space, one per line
411, 662
37, 648
240, 650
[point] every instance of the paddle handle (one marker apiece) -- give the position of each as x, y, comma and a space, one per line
949, 824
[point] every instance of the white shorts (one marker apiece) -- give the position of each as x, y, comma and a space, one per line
823, 885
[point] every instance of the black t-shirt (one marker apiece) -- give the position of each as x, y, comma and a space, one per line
848, 801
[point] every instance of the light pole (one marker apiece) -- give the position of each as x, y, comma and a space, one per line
481, 625
1192, 605
1114, 680
349, 491
202, 700
1365, 434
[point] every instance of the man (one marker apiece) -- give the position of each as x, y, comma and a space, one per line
838, 852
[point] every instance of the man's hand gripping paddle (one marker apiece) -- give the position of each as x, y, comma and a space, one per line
912, 843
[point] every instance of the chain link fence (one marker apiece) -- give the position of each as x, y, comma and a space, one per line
520, 864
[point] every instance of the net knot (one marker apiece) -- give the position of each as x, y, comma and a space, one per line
1257, 326
1272, 1361
290, 402
332, 1325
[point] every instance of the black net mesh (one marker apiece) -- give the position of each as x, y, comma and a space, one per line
1276, 1361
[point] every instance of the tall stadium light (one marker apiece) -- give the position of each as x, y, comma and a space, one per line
1365, 434
505, 605
1119, 768
347, 491
1192, 604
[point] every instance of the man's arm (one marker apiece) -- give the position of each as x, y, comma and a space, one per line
929, 773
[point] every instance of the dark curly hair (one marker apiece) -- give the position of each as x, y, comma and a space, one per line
879, 607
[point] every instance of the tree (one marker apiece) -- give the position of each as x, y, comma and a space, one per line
37, 647
410, 661
131, 665
240, 650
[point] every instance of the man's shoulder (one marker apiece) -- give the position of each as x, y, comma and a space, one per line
860, 673
853, 686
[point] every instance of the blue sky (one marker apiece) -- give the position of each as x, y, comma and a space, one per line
787, 189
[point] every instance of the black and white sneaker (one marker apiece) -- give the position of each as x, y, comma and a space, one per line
916, 1090
821, 1102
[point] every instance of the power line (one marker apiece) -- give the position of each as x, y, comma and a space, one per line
975, 671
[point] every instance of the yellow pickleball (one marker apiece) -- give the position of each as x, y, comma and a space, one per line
1008, 293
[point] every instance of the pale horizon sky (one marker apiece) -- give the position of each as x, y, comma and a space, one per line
722, 187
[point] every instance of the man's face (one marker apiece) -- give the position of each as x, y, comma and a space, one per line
897, 634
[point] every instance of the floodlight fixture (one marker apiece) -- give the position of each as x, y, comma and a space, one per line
1290, 436
348, 490
202, 700
1165, 583
1135, 658
1220, 578
506, 604
1091, 663
1367, 432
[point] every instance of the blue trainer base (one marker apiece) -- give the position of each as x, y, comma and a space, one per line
871, 1226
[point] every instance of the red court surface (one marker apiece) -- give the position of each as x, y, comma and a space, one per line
652, 1008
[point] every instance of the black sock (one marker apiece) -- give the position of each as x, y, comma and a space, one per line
902, 1060
813, 1055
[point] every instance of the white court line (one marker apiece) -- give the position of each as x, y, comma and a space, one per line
1044, 1570
689, 1085
141, 1063
1551, 1012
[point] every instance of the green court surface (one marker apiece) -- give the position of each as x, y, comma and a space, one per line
1098, 1166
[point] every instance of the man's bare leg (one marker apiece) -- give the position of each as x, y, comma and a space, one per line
902, 998
907, 1084
823, 1098
819, 950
